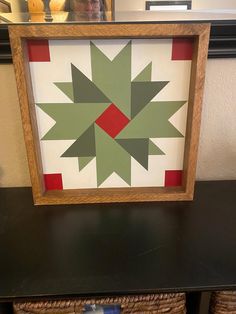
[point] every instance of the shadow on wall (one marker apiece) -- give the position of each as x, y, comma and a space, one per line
218, 162
1, 176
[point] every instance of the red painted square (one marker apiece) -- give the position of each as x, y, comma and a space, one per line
38, 50
53, 181
182, 49
112, 120
173, 177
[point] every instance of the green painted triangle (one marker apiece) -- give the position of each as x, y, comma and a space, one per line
66, 88
111, 157
153, 122
142, 93
84, 146
85, 90
154, 150
84, 161
113, 78
145, 75
72, 119
137, 148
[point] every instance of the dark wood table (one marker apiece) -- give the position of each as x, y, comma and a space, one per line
111, 249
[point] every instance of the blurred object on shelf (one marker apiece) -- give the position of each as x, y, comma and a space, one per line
5, 6
36, 6
40, 17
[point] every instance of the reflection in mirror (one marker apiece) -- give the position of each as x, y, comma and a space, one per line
5, 6
168, 5
55, 10
55, 5
21, 11
120, 5
134, 5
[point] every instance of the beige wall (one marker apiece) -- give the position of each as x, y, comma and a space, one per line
123, 5
213, 4
13, 163
217, 153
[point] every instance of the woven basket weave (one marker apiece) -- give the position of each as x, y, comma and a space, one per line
141, 304
223, 302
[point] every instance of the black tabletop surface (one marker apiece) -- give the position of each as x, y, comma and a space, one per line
85, 250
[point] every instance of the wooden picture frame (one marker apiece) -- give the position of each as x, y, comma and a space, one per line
197, 33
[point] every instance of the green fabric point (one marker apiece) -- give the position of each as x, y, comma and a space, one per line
66, 88
85, 90
142, 93
84, 161
111, 157
145, 75
84, 146
137, 148
113, 78
153, 122
72, 119
154, 150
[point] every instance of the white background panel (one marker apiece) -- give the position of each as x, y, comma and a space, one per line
155, 175
179, 119
177, 72
67, 166
63, 53
44, 121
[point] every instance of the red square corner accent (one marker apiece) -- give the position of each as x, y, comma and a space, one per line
38, 50
182, 49
173, 177
53, 181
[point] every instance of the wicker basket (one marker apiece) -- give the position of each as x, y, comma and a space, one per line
223, 302
141, 304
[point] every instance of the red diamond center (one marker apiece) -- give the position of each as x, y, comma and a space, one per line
112, 120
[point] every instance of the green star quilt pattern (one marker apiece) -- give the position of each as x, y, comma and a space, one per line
111, 113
